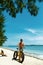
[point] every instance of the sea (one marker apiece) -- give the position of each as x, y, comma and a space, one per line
30, 50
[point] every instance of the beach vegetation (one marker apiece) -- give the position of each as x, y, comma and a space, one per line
3, 38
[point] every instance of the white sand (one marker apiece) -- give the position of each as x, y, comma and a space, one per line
27, 61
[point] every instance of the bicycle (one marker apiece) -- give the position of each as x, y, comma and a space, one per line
18, 55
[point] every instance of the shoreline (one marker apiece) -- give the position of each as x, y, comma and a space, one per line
34, 55
30, 60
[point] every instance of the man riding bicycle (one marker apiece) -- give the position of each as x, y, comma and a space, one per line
19, 55
21, 45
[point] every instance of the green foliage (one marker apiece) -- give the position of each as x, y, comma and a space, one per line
15, 6
32, 8
3, 38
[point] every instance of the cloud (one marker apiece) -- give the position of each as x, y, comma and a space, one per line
13, 39
36, 40
32, 31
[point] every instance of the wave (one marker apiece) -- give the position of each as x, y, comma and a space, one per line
38, 56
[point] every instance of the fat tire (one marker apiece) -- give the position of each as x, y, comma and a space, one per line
15, 55
22, 58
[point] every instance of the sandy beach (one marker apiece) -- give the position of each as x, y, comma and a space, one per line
29, 60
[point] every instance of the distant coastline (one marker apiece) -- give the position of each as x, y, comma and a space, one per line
16, 45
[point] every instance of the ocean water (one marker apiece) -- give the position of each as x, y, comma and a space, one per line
32, 50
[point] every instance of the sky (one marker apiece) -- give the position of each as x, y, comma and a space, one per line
24, 26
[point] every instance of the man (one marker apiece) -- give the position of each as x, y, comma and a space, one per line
21, 45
